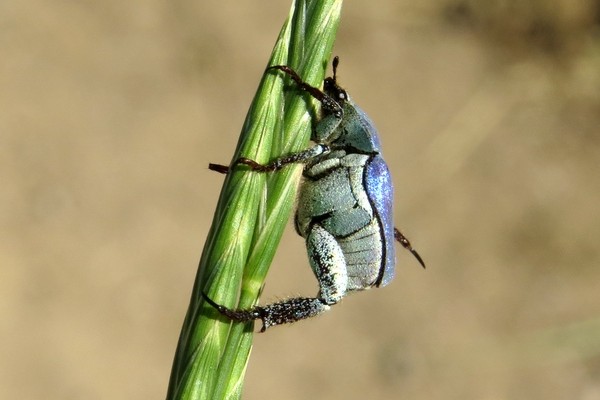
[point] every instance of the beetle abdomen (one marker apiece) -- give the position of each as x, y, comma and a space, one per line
363, 252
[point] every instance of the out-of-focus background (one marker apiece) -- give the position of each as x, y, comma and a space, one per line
489, 112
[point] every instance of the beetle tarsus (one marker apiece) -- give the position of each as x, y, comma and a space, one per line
406, 244
253, 165
314, 92
418, 257
277, 164
283, 312
234, 315
220, 168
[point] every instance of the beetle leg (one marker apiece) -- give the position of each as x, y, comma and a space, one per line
328, 263
406, 244
220, 168
330, 105
313, 91
326, 127
283, 312
294, 158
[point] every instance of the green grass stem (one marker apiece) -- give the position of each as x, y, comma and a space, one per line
252, 212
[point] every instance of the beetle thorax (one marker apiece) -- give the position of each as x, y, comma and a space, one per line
356, 132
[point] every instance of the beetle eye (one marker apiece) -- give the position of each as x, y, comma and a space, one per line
342, 95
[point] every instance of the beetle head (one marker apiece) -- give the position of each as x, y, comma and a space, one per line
330, 86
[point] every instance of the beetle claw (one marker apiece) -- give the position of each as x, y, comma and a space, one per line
220, 168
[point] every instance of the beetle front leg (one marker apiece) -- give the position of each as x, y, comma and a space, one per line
278, 163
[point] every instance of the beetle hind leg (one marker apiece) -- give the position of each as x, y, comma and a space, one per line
328, 263
283, 312
406, 244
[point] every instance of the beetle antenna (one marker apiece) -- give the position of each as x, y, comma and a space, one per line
336, 61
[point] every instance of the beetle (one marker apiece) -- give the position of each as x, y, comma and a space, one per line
344, 212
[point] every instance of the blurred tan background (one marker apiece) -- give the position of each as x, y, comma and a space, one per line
489, 113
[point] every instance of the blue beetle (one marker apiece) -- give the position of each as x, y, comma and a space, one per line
345, 207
